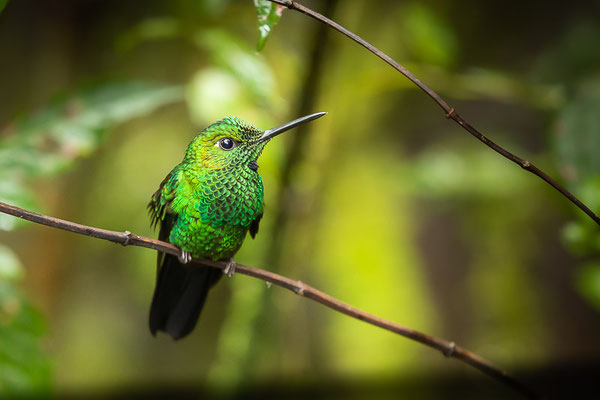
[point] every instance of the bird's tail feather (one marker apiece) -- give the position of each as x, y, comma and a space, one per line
179, 296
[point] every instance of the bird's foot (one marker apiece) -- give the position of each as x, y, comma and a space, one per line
230, 267
185, 257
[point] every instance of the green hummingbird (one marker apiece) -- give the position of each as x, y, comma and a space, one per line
205, 206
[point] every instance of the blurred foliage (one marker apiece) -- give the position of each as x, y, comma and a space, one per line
235, 79
576, 143
238, 79
24, 369
588, 282
156, 28
39, 146
3, 4
432, 40
442, 173
48, 142
573, 58
577, 138
268, 15
392, 210
356, 253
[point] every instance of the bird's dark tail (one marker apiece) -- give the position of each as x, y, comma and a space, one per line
179, 296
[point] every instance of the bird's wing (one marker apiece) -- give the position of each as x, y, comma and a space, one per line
160, 211
180, 290
160, 203
254, 225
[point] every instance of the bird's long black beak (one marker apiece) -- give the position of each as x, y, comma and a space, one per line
270, 133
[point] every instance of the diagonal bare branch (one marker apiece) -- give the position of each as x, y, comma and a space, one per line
448, 349
448, 110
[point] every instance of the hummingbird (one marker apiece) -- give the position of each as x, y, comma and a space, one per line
206, 206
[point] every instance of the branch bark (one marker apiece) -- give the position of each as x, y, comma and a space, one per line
448, 110
447, 348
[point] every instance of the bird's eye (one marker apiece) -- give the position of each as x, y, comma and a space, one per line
226, 143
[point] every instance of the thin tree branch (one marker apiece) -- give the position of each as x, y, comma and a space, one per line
449, 111
448, 349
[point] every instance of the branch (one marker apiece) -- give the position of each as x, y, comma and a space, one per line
448, 349
449, 111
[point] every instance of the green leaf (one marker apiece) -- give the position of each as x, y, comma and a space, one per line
51, 140
24, 369
240, 78
3, 4
213, 93
450, 173
582, 237
577, 145
150, 29
577, 135
238, 59
15, 193
10, 266
268, 15
588, 283
431, 40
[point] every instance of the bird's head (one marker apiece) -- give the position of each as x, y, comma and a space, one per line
233, 143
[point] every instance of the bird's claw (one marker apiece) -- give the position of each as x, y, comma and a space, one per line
230, 267
185, 257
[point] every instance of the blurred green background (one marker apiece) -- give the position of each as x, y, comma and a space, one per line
382, 203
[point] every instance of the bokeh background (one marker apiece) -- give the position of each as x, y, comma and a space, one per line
382, 203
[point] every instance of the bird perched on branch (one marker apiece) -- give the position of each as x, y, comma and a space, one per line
205, 206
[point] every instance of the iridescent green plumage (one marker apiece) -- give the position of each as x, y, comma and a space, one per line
215, 194
205, 206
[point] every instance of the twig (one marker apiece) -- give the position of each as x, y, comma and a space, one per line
450, 112
448, 349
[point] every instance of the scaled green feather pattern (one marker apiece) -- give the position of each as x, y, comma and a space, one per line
214, 193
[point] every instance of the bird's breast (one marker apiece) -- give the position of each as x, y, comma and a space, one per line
224, 199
